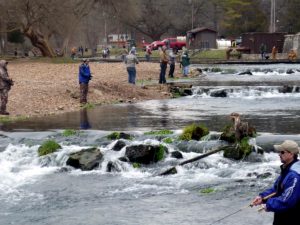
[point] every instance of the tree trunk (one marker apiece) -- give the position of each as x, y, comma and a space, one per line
38, 40
173, 169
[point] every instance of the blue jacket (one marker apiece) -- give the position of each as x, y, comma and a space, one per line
84, 73
286, 203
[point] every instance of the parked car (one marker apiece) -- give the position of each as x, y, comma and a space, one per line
172, 42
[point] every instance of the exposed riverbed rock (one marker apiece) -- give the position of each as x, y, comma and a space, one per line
145, 154
86, 159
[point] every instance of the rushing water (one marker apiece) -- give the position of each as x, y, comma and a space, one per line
42, 190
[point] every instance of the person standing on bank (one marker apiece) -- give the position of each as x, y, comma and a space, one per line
172, 60
286, 200
130, 61
163, 65
84, 79
5, 85
185, 62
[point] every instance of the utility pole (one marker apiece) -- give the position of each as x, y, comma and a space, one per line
272, 28
192, 12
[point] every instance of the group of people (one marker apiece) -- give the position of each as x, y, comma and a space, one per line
170, 59
263, 52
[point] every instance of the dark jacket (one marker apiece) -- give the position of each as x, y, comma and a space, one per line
84, 73
5, 81
286, 203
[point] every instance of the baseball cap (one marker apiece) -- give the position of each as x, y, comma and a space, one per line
288, 145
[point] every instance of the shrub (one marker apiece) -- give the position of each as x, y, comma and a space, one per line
48, 147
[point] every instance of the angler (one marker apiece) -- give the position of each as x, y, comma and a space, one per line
286, 202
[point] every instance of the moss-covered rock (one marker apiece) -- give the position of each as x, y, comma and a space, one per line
239, 151
48, 147
228, 134
119, 135
194, 132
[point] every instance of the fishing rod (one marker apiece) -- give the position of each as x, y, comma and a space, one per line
241, 209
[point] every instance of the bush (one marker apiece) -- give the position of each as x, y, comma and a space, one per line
48, 147
194, 132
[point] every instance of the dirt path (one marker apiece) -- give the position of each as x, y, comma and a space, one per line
45, 88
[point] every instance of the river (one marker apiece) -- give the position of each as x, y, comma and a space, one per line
37, 190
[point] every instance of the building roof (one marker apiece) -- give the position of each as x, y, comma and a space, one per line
200, 29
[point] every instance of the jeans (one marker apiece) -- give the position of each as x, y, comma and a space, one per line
162, 75
131, 75
171, 71
84, 89
185, 70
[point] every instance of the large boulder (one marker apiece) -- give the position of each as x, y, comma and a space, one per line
86, 159
145, 154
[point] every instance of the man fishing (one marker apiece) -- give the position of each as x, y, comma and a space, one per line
286, 200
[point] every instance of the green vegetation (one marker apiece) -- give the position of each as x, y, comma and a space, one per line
228, 134
8, 119
159, 132
159, 155
194, 132
168, 140
207, 190
239, 151
136, 165
113, 136
48, 147
69, 132
245, 147
88, 106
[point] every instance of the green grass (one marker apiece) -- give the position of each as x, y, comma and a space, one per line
8, 119
88, 106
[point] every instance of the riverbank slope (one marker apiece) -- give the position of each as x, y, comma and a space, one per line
42, 88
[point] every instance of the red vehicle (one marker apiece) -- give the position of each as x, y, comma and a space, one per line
172, 42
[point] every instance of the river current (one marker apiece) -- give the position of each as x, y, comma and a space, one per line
36, 190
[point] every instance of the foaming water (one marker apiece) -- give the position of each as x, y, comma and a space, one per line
43, 190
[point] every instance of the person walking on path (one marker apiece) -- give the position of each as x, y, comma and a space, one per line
124, 53
148, 53
274, 52
263, 50
285, 202
84, 79
131, 60
5, 85
185, 62
163, 65
172, 60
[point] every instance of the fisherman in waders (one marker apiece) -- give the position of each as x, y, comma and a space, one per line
84, 78
5, 85
286, 202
